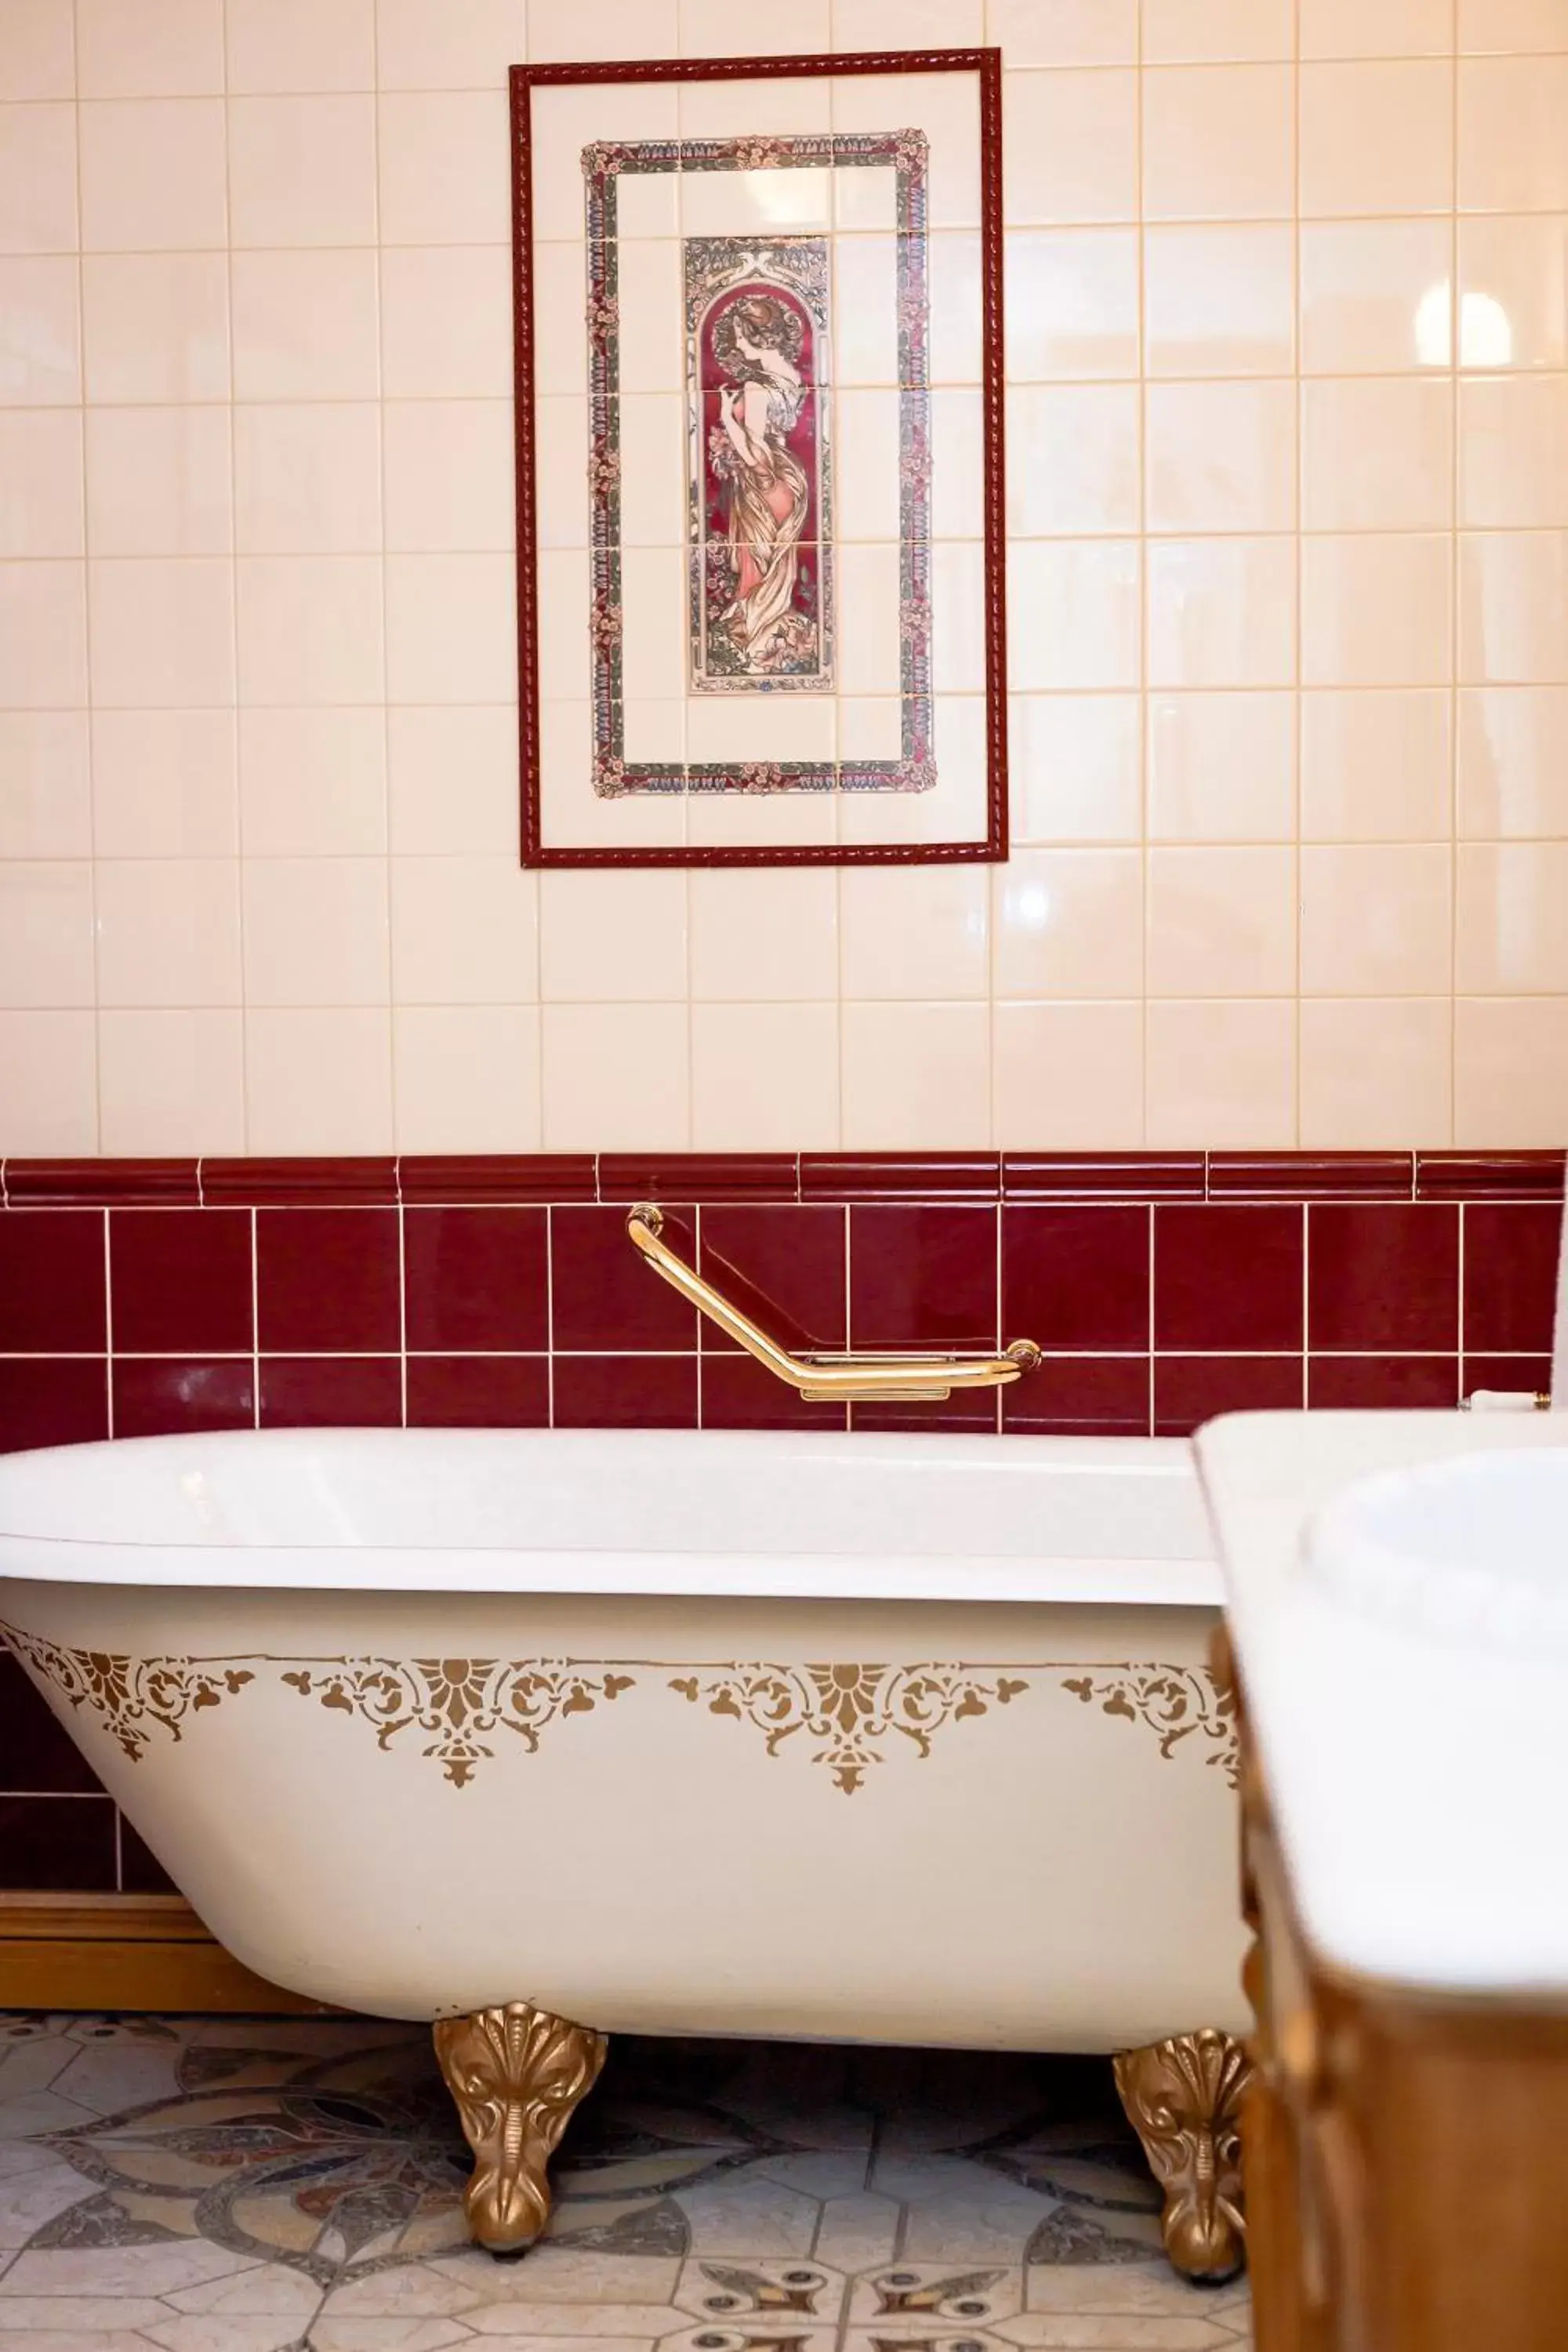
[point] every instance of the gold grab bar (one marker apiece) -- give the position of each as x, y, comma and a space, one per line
828, 1380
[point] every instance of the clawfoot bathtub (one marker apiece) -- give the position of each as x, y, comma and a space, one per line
546, 1736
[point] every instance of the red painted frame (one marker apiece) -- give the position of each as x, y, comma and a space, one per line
986, 63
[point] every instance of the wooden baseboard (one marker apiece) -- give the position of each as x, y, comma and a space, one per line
127, 1952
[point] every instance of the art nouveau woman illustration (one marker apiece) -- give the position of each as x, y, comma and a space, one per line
757, 341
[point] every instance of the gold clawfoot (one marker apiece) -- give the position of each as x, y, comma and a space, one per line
1182, 2098
518, 2076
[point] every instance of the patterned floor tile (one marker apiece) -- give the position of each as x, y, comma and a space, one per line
296, 2186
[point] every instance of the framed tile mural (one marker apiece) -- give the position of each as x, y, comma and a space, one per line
759, 402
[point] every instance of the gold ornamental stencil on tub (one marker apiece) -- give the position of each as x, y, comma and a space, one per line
853, 1710
133, 1697
1175, 1702
458, 1699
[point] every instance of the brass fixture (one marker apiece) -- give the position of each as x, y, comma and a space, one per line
825, 1379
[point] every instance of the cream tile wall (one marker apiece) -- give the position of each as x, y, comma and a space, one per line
1288, 502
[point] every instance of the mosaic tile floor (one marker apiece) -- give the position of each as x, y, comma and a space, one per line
231, 2186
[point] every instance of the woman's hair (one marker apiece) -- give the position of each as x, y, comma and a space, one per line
764, 321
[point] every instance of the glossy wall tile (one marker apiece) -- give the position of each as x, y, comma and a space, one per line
1288, 513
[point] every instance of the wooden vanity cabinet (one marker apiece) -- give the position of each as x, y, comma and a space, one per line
1405, 2156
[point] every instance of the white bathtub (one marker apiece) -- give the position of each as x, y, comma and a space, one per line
891, 1739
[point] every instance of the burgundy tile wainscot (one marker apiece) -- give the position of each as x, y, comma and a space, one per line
147, 1296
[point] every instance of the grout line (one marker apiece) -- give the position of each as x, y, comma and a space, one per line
549, 1317
1455, 352
82, 411
255, 1327
233, 625
1306, 1299
107, 1327
1151, 1216
1145, 864
1299, 579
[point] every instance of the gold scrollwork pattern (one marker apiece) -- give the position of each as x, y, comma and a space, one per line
458, 1699
1173, 1701
851, 1710
132, 1696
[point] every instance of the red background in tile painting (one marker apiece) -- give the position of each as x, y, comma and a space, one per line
138, 1297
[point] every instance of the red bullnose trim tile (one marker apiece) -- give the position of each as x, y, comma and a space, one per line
901, 1176
632, 1176
287, 1184
100, 1184
1102, 1176
52, 1288
1311, 1175
439, 1180
1489, 1175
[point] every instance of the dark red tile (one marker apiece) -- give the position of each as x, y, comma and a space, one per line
36, 1752
141, 1872
1384, 1277
1489, 1175
1076, 1278
327, 1281
52, 1286
1510, 1275
784, 1268
1227, 1276
739, 1393
536, 1176
922, 1277
157, 1397
900, 1175
626, 1391
53, 1402
478, 1392
280, 1183
1407, 1383
967, 1412
632, 1176
1080, 1396
100, 1183
57, 1845
1523, 1375
1311, 1175
1103, 1175
477, 1279
604, 1297
332, 1392
180, 1280
1191, 1389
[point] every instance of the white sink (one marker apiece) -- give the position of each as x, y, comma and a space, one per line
1471, 1552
